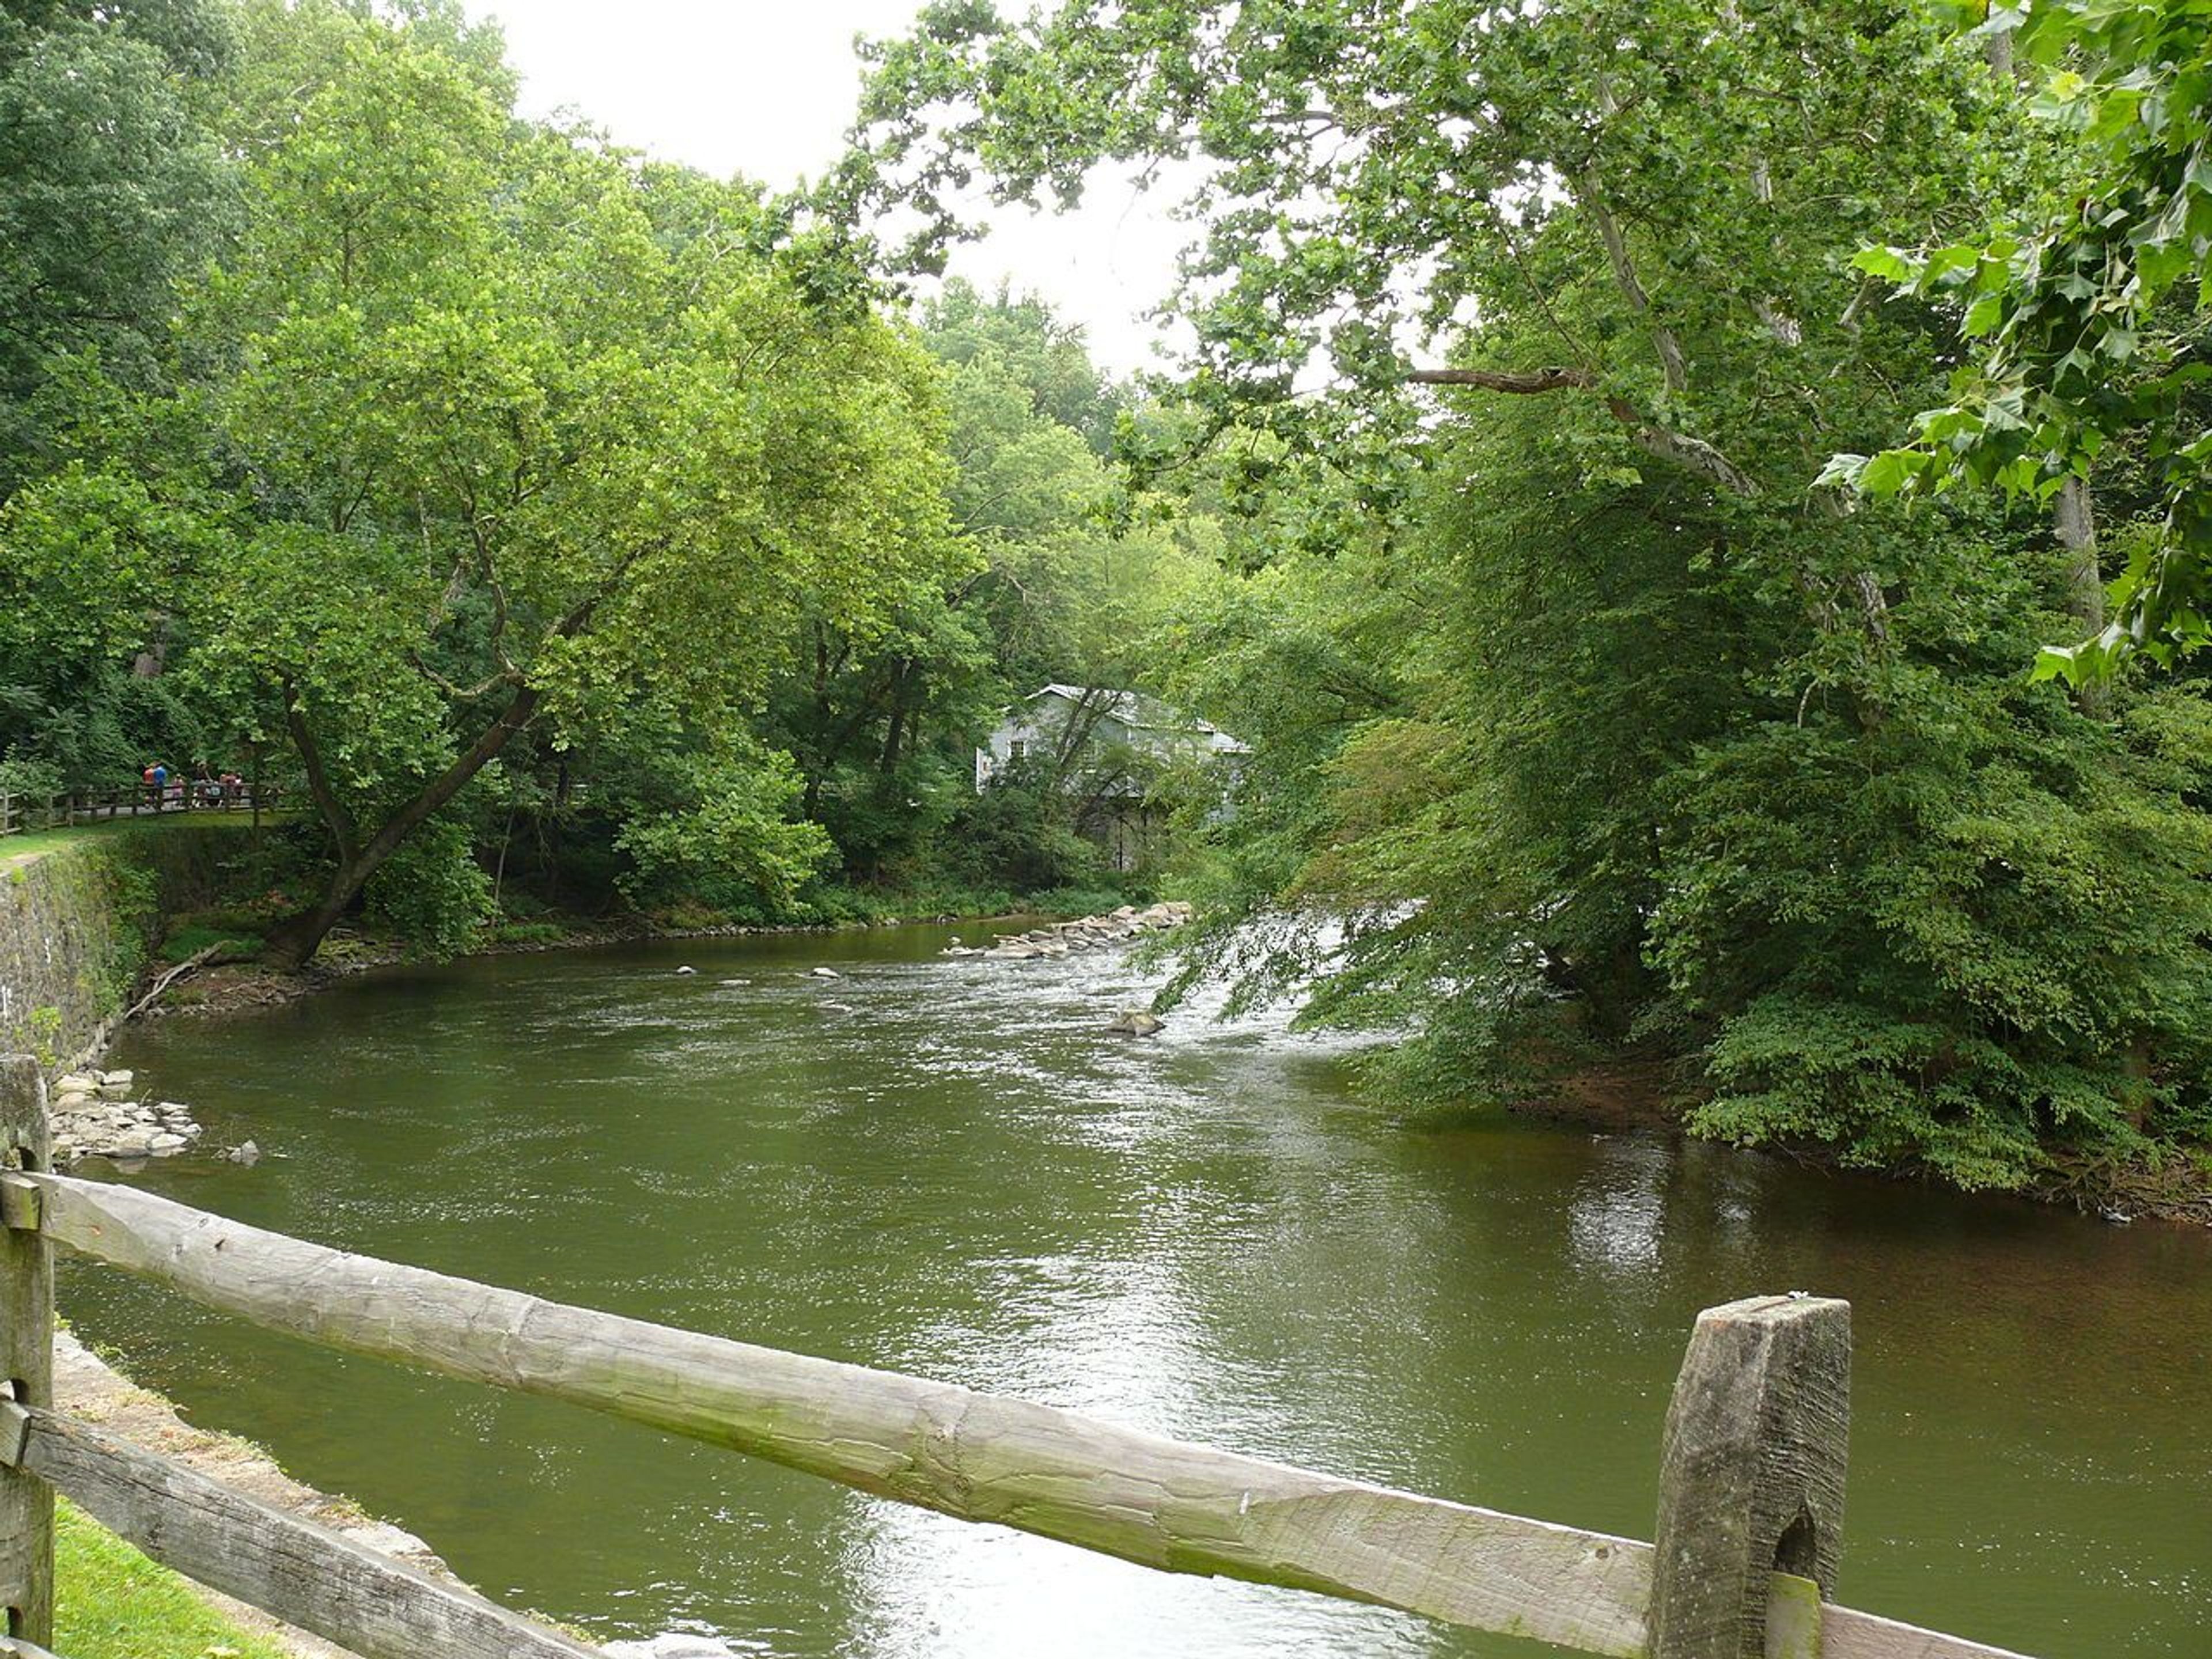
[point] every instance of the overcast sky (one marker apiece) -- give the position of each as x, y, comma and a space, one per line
767, 87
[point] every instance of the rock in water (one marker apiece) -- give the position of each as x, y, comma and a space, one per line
670, 1646
827, 972
1134, 1022
687, 969
245, 1153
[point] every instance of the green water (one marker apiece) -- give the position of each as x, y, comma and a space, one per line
943, 1168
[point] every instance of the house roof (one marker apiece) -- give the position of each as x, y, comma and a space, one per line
1137, 710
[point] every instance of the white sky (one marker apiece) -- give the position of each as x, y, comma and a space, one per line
767, 90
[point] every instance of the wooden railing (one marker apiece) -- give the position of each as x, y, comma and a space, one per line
21, 813
1750, 1513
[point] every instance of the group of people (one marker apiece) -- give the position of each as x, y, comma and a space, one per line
207, 787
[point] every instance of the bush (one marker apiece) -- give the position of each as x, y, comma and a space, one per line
1016, 834
35, 778
431, 891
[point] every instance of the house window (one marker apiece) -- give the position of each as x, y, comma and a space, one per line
1015, 749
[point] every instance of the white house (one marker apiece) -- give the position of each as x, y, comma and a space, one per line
1099, 726
1110, 746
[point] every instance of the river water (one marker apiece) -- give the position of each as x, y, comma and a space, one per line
944, 1167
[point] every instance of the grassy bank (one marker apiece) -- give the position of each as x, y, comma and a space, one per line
113, 1603
30, 844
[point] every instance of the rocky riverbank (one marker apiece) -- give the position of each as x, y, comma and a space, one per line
95, 1116
1062, 938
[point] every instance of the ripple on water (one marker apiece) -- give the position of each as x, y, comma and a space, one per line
946, 1167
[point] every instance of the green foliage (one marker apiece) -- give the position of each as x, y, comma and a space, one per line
110, 189
1588, 722
737, 848
2084, 315
477, 483
1066, 574
22, 777
495, 430
1974, 932
431, 891
1018, 832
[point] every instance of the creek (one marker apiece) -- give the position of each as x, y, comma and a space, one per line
945, 1167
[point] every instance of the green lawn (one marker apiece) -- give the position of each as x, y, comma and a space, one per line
113, 1603
18, 850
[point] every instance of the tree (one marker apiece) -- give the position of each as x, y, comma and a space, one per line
1676, 757
111, 189
1371, 174
2085, 317
506, 448
882, 719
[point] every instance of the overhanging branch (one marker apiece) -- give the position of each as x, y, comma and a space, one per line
1693, 453
1519, 382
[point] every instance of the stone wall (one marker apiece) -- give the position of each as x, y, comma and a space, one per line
76, 929
68, 955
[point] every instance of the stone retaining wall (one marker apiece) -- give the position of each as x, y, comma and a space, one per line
77, 925
71, 942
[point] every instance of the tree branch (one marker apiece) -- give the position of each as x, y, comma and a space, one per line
580, 617
1519, 382
450, 782
1669, 349
508, 675
319, 781
1695, 453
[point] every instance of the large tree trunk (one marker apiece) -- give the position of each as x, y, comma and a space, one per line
2075, 514
297, 937
295, 940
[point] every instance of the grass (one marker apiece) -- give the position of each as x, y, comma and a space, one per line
113, 1603
23, 848
183, 943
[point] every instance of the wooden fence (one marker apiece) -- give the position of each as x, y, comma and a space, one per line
1750, 1510
20, 814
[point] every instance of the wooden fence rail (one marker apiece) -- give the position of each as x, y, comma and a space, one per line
1753, 1463
310, 1575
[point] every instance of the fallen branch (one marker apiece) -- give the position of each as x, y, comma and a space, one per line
198, 959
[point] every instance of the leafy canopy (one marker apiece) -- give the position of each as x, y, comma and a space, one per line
2086, 318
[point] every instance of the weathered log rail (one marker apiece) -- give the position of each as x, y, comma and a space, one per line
22, 814
1750, 1510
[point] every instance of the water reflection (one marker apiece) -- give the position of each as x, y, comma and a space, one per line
946, 1167
1615, 1219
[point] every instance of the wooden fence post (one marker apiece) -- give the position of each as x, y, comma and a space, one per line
1751, 1480
26, 1361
